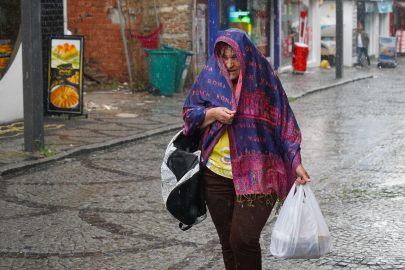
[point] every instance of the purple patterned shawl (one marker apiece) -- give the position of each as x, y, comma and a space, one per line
264, 137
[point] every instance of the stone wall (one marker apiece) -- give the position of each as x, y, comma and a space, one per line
176, 17
99, 22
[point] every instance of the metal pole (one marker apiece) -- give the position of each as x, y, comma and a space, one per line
32, 75
124, 40
131, 43
194, 37
339, 39
65, 18
157, 20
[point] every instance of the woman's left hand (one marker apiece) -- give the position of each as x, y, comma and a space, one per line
302, 176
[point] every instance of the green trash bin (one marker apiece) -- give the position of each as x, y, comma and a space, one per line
182, 65
162, 65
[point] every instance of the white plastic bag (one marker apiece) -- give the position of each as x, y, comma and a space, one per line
300, 231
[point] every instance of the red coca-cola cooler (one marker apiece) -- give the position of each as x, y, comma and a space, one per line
299, 57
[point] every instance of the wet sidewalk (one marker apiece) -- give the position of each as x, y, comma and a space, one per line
118, 116
316, 79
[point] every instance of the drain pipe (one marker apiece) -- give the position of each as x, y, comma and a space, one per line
65, 19
124, 40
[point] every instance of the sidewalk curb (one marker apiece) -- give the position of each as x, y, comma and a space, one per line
86, 149
314, 90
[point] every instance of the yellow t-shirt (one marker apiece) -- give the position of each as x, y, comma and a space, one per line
219, 161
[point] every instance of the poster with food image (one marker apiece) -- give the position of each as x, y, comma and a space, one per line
3, 63
65, 77
5, 52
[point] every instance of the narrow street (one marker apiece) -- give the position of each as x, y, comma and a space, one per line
105, 211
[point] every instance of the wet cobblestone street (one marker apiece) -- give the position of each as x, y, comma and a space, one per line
105, 211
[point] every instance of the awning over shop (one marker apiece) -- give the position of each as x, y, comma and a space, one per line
384, 7
370, 7
402, 4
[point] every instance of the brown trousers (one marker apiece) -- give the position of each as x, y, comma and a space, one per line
238, 226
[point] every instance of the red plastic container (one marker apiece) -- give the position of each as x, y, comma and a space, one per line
299, 57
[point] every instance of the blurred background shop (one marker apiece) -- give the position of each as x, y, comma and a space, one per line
375, 17
273, 26
11, 70
253, 17
290, 12
9, 26
11, 97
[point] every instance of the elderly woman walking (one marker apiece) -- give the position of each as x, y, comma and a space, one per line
251, 146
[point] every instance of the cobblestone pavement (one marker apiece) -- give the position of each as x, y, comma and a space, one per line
104, 210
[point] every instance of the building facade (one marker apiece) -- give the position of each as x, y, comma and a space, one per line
99, 22
273, 26
375, 17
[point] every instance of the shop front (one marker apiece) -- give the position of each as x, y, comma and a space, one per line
298, 17
375, 18
252, 16
273, 26
290, 28
11, 89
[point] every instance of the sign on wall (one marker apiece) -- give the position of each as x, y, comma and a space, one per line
370, 7
384, 7
65, 78
354, 42
308, 38
354, 33
287, 46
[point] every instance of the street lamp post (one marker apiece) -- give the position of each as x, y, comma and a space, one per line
339, 39
32, 74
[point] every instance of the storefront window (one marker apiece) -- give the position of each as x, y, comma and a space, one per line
9, 26
290, 28
250, 16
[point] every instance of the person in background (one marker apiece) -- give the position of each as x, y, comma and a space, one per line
362, 46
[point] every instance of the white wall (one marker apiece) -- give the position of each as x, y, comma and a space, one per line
11, 91
374, 36
328, 9
348, 26
385, 23
315, 59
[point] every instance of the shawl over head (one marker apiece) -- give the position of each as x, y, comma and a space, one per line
264, 137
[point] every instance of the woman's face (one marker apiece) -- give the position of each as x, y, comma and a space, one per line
231, 62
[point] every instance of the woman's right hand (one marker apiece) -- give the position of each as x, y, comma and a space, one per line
302, 176
224, 115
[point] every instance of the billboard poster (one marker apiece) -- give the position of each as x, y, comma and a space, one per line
65, 78
287, 46
308, 38
354, 42
354, 33
387, 49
